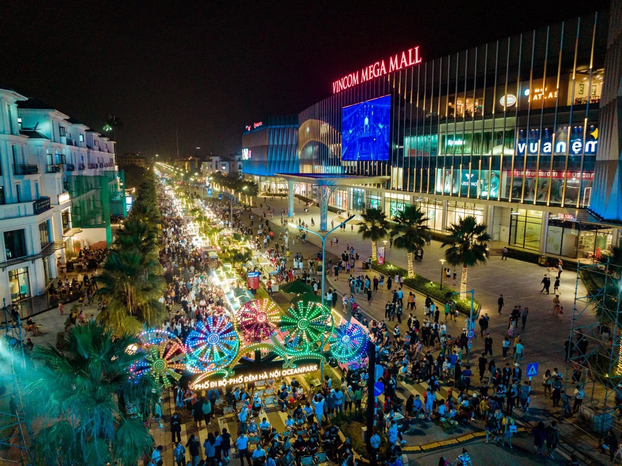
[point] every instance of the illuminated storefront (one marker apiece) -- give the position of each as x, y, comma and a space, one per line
507, 132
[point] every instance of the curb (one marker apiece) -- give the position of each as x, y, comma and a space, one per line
444, 443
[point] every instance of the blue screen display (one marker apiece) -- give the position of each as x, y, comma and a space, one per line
366, 130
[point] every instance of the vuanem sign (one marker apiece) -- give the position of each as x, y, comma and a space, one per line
397, 62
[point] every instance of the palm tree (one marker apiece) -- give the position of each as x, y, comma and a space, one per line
376, 227
78, 399
468, 247
409, 232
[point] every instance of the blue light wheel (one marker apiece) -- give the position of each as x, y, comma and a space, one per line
213, 344
348, 342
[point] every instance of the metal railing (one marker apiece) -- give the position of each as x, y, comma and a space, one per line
26, 169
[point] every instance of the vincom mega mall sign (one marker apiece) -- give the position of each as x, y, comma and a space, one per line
397, 62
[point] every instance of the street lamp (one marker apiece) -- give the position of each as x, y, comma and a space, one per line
323, 238
470, 326
442, 261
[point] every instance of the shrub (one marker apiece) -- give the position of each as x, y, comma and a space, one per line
427, 287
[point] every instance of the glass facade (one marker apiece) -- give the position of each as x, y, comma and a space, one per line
526, 228
515, 120
15, 244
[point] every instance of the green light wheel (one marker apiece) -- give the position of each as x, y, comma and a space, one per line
306, 326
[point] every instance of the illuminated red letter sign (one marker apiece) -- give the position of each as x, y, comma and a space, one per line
397, 62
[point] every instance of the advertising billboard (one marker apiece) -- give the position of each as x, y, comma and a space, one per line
366, 130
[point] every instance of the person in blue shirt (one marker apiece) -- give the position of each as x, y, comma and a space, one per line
264, 428
242, 445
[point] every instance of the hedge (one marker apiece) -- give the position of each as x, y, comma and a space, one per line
427, 287
534, 258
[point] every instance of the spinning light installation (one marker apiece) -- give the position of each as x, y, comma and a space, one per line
348, 342
213, 344
258, 319
306, 325
164, 360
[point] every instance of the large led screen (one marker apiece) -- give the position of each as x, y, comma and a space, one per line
366, 130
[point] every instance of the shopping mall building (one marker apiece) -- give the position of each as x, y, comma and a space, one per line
521, 133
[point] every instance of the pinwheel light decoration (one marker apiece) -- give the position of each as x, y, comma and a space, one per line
258, 319
163, 357
213, 344
348, 342
305, 325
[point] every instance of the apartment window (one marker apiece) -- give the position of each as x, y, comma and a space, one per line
8, 109
66, 218
44, 234
15, 244
2, 201
81, 137
61, 131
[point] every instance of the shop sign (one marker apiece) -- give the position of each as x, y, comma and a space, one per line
255, 377
565, 217
63, 197
561, 147
508, 100
553, 174
397, 62
381, 255
252, 279
41, 205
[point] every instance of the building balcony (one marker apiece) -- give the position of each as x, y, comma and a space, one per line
24, 209
52, 169
25, 169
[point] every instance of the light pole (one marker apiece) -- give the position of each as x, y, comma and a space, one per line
323, 238
442, 261
470, 326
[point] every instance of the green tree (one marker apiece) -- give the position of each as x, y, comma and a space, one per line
74, 400
409, 232
468, 246
374, 228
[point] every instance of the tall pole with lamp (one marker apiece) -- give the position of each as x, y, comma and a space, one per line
472, 293
323, 238
442, 261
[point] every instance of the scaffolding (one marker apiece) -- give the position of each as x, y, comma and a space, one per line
593, 346
15, 432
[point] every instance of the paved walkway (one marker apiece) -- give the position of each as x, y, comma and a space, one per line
518, 281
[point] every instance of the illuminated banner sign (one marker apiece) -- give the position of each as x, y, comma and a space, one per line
397, 62
253, 280
381, 255
571, 141
255, 377
560, 175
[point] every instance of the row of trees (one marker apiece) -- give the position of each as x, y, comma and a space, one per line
132, 281
235, 183
85, 407
466, 242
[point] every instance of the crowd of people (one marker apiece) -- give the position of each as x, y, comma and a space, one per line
424, 352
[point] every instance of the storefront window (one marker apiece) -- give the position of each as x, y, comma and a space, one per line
374, 201
395, 203
433, 210
567, 237
358, 199
458, 210
19, 284
526, 228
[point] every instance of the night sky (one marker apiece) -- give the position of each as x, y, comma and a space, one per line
208, 68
